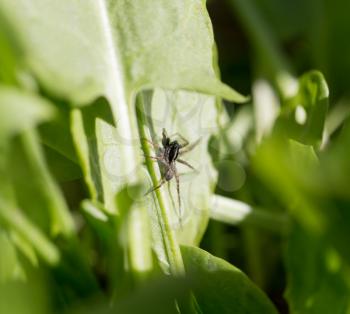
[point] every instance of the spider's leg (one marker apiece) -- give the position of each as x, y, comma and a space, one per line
155, 145
161, 182
186, 142
178, 194
159, 158
186, 163
164, 133
171, 196
155, 158
188, 148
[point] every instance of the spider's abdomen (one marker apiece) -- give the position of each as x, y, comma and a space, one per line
169, 174
172, 151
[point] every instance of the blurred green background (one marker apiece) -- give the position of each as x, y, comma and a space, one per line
280, 209
299, 36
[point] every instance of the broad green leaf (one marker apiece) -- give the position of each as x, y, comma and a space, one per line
316, 276
219, 287
20, 110
156, 297
97, 141
104, 171
168, 47
115, 48
177, 36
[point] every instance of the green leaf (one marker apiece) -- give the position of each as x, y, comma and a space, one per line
97, 143
35, 190
312, 189
10, 268
134, 229
14, 219
220, 287
9, 53
156, 297
20, 110
194, 117
115, 48
62, 168
95, 140
99, 221
56, 133
164, 240
284, 166
316, 277
313, 95
22, 185
24, 246
303, 116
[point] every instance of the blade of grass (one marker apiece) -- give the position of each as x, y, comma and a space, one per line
171, 246
15, 219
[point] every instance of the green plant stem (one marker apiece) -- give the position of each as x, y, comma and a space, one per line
253, 255
170, 243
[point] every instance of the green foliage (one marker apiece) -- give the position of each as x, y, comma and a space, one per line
86, 88
316, 283
220, 287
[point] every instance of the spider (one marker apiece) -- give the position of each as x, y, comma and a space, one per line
168, 155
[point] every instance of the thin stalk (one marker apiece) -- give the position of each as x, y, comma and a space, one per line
172, 248
253, 256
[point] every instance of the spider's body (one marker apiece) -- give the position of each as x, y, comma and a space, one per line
170, 153
168, 156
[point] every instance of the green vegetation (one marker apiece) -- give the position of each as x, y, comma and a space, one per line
86, 86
